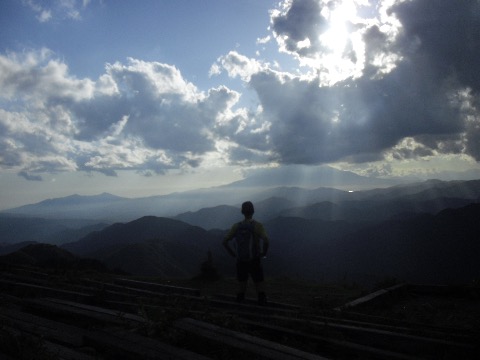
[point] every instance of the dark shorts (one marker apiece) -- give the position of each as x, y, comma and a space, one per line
253, 268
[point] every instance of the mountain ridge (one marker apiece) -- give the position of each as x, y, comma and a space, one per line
437, 248
441, 248
177, 248
333, 204
430, 196
113, 208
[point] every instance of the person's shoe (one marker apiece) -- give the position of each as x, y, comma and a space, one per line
240, 297
262, 299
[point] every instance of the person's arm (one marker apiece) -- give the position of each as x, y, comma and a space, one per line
266, 242
229, 237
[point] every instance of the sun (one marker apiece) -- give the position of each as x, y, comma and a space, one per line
330, 44
337, 35
343, 50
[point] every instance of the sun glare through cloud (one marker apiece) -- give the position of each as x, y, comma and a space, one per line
344, 55
333, 48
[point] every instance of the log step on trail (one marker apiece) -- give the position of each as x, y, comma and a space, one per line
126, 345
40, 326
160, 288
329, 345
69, 313
249, 344
83, 314
63, 341
22, 289
250, 301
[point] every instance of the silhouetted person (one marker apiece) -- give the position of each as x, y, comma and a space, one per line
248, 252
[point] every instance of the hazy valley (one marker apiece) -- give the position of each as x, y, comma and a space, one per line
422, 232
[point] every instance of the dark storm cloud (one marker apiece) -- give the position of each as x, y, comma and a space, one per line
447, 38
301, 21
355, 119
430, 94
447, 34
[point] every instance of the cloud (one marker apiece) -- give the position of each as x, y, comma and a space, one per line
297, 21
164, 110
418, 81
30, 177
236, 64
264, 40
58, 9
446, 35
398, 84
138, 115
35, 75
324, 35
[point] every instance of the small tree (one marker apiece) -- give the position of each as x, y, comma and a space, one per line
208, 271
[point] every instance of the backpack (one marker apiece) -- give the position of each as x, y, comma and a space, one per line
246, 247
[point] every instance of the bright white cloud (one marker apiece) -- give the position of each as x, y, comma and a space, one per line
236, 64
35, 75
139, 115
264, 40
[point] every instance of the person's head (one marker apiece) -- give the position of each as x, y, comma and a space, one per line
247, 209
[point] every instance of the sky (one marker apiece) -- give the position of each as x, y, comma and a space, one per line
141, 98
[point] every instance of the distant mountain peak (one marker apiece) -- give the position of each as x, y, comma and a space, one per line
307, 177
76, 199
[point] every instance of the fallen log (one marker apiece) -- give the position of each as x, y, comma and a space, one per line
160, 288
249, 344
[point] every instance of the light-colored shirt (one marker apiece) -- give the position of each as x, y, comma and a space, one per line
259, 233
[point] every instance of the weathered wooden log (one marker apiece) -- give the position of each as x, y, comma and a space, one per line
22, 289
131, 346
159, 288
41, 326
258, 347
83, 314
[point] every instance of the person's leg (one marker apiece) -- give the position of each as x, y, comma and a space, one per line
242, 277
258, 279
260, 287
242, 288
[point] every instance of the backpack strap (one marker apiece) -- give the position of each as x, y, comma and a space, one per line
245, 240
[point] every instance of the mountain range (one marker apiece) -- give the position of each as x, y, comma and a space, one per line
420, 232
429, 196
293, 183
434, 249
23, 228
331, 204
